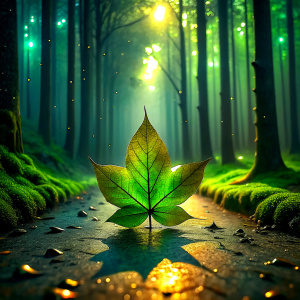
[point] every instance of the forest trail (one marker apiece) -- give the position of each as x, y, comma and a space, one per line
112, 262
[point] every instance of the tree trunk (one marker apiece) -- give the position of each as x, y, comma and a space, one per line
295, 143
45, 100
267, 156
227, 152
234, 98
250, 127
70, 134
205, 142
83, 150
10, 119
183, 92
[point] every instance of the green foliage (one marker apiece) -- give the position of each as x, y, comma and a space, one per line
148, 186
34, 175
287, 210
8, 217
10, 162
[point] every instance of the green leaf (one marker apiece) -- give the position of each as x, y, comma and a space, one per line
129, 216
148, 186
170, 215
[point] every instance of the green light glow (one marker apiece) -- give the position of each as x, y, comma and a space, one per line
239, 29
210, 64
26, 34
243, 24
26, 27
63, 20
280, 39
156, 48
58, 23
151, 88
194, 53
30, 44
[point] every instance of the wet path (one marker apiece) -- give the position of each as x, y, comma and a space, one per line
113, 263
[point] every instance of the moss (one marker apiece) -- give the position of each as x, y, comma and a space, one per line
23, 202
23, 181
61, 184
8, 217
34, 175
5, 196
265, 210
10, 161
38, 199
50, 192
261, 193
287, 210
229, 201
26, 159
221, 191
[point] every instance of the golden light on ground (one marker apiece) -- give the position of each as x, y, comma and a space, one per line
159, 13
171, 277
64, 293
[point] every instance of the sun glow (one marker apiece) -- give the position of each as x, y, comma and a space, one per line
159, 14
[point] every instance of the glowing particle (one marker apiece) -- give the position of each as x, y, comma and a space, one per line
89, 47
104, 54
54, 106
215, 270
111, 287
71, 282
69, 128
184, 22
32, 20
99, 281
194, 53
179, 92
242, 33
280, 39
243, 24
133, 285
30, 44
63, 20
26, 27
210, 64
126, 297
93, 135
240, 157
26, 34
151, 88
156, 48
139, 293
184, 16
239, 29
148, 50
71, 81
107, 279
73, 100
58, 23
28, 79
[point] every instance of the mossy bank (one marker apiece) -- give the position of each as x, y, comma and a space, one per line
269, 198
31, 183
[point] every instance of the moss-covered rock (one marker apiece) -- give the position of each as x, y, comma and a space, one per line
229, 199
8, 216
10, 161
49, 193
265, 210
287, 210
34, 175
261, 193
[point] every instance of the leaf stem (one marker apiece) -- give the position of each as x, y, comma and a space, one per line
150, 225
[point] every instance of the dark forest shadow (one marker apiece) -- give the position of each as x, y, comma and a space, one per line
140, 250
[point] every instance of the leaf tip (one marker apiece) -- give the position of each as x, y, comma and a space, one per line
92, 161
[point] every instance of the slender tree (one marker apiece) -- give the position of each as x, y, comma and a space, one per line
227, 152
250, 127
45, 99
83, 149
236, 130
267, 156
295, 142
10, 119
205, 141
70, 134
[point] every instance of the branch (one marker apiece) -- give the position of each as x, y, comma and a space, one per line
168, 76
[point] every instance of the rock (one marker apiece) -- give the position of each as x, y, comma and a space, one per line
92, 208
55, 229
213, 226
95, 219
53, 252
74, 227
82, 213
245, 241
17, 232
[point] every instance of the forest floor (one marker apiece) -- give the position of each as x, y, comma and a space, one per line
190, 261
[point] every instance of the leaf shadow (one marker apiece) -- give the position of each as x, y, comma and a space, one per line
140, 250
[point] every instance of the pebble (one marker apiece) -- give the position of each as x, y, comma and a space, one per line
53, 252
17, 232
74, 227
95, 219
55, 229
82, 213
245, 240
92, 208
